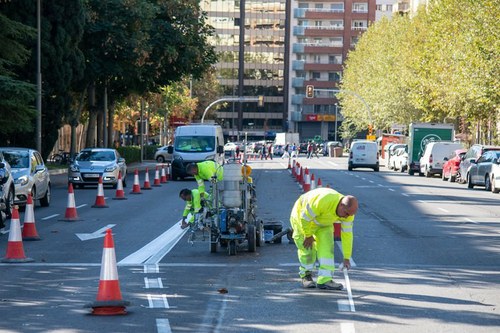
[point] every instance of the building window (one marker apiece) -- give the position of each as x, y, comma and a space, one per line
318, 6
300, 74
334, 76
302, 57
318, 41
335, 59
318, 23
336, 41
301, 5
337, 24
315, 76
378, 7
317, 59
389, 8
337, 6
360, 7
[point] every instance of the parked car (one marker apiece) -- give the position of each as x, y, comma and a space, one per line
92, 163
363, 154
474, 152
390, 153
486, 171
399, 159
162, 155
431, 162
451, 165
7, 191
31, 175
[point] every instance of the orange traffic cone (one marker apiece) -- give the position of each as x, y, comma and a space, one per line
319, 183
306, 186
109, 297
313, 182
156, 181
163, 178
70, 214
294, 167
136, 189
99, 200
120, 194
29, 229
15, 249
147, 185
168, 172
289, 165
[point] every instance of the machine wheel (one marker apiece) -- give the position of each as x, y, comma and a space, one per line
45, 201
260, 234
232, 248
212, 243
252, 239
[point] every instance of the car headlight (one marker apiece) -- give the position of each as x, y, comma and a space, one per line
111, 168
23, 180
74, 168
210, 157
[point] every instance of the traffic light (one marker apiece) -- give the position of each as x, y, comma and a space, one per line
260, 103
309, 91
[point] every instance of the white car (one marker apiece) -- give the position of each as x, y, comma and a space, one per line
399, 160
162, 155
230, 146
30, 174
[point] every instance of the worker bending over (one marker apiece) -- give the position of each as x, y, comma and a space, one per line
193, 206
203, 171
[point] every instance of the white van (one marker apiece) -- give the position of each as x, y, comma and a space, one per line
195, 143
363, 154
431, 162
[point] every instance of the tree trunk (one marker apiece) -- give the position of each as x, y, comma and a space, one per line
90, 141
111, 132
100, 128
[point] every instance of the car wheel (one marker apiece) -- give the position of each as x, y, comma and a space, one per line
9, 204
487, 183
160, 159
494, 188
45, 201
469, 182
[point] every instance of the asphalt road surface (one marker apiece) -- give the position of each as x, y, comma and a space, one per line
426, 254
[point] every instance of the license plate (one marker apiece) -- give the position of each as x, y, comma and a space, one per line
92, 175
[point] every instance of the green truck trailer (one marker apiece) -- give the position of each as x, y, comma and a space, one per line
420, 134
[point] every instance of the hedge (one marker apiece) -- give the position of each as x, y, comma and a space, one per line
132, 154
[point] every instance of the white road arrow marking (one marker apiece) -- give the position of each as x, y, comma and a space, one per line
96, 234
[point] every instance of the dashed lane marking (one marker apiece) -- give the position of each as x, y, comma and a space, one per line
158, 301
50, 216
150, 283
163, 325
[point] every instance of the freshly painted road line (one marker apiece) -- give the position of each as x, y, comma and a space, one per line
49, 217
163, 325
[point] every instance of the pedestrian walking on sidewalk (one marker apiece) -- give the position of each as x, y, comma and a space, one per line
312, 219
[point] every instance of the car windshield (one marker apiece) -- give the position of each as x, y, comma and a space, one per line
17, 159
194, 143
96, 155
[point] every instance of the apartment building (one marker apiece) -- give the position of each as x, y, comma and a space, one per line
250, 39
322, 33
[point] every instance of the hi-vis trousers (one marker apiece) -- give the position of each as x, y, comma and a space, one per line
321, 251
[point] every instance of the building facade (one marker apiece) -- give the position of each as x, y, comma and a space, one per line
322, 33
250, 38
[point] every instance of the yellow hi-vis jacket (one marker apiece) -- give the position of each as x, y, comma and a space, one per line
194, 205
318, 209
206, 170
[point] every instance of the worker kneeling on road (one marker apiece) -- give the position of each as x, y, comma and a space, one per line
312, 221
193, 206
205, 171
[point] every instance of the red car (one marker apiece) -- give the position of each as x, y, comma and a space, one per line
452, 165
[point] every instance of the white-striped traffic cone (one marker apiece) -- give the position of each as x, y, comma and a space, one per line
70, 214
15, 249
29, 228
156, 181
313, 182
147, 185
306, 186
120, 194
100, 202
109, 300
136, 189
163, 178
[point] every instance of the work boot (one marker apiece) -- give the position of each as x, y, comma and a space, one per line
330, 285
308, 282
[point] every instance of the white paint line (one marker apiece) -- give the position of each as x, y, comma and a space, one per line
4, 231
371, 181
443, 210
391, 189
469, 220
163, 325
349, 292
332, 163
158, 301
404, 194
151, 269
81, 206
339, 244
343, 305
49, 217
155, 250
347, 328
380, 185
153, 283
421, 201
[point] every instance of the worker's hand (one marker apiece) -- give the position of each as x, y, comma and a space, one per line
308, 242
184, 225
347, 264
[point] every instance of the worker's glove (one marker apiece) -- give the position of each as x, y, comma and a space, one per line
184, 225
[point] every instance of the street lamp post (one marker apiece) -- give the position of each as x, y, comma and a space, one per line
336, 120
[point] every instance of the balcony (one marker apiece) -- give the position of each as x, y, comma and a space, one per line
298, 82
298, 47
299, 30
322, 67
297, 99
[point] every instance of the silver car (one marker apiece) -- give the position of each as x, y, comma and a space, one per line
162, 155
92, 163
30, 175
7, 191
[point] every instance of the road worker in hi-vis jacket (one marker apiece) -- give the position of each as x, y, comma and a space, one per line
193, 206
312, 219
204, 171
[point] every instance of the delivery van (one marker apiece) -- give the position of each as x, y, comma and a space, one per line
363, 154
195, 143
432, 161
